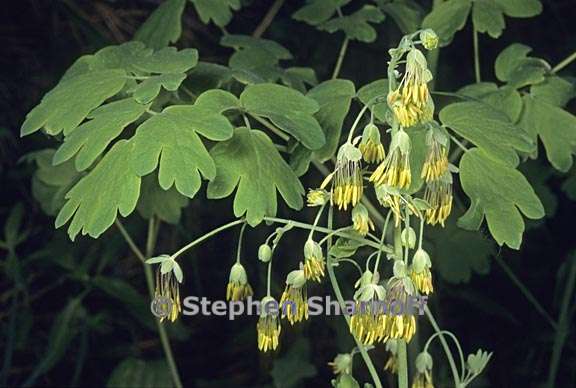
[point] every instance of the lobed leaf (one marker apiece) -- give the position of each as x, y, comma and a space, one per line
218, 11
488, 17
357, 25
163, 26
318, 11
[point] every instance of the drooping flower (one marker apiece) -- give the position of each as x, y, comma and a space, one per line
420, 272
167, 295
438, 194
370, 145
268, 326
347, 187
294, 300
399, 324
314, 264
342, 364
390, 197
436, 163
392, 361
423, 376
238, 286
368, 323
394, 171
361, 220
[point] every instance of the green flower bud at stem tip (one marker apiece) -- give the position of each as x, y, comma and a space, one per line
264, 253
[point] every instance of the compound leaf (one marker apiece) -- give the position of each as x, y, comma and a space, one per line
148, 90
407, 14
111, 187
487, 128
515, 67
163, 26
90, 139
357, 25
250, 162
68, 104
170, 140
497, 192
287, 108
334, 97
488, 18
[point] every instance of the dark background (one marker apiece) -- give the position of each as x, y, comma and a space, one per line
40, 39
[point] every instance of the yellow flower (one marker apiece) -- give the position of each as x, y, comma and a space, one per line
411, 101
394, 171
399, 324
238, 286
317, 197
167, 294
423, 380
429, 39
368, 322
268, 326
388, 198
420, 272
361, 220
392, 362
294, 300
347, 187
436, 163
313, 261
370, 145
438, 194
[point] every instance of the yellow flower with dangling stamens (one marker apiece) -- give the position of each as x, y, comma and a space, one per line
347, 187
399, 324
394, 171
314, 264
368, 323
438, 194
238, 286
167, 294
317, 197
420, 272
361, 220
390, 197
294, 300
411, 101
423, 376
370, 145
268, 326
436, 163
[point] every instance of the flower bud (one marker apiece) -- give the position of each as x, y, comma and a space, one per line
409, 237
429, 39
342, 364
264, 253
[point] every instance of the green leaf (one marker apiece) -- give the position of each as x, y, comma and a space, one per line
218, 11
254, 66
357, 25
447, 18
156, 202
287, 108
68, 104
344, 247
250, 162
170, 140
163, 26
407, 14
506, 99
487, 16
111, 187
294, 366
148, 90
140, 373
457, 253
555, 127
513, 66
376, 89
487, 128
554, 91
498, 193
206, 76
51, 183
334, 98
298, 77
217, 100
90, 139
168, 60
318, 11
521, 8
243, 42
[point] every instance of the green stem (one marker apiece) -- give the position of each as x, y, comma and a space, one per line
268, 18
445, 346
357, 121
518, 283
563, 325
340, 298
377, 264
207, 236
476, 56
402, 353
240, 239
341, 56
150, 242
316, 220
571, 58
